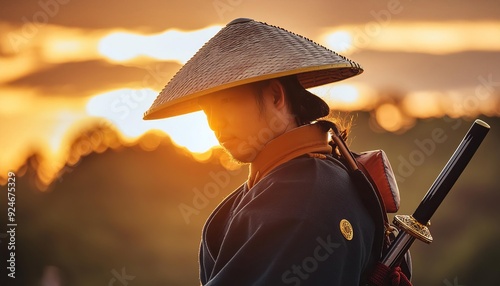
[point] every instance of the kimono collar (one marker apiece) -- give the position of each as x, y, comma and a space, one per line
307, 139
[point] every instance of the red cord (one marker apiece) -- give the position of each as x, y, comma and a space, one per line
384, 276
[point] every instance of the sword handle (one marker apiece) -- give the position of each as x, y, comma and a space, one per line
451, 171
415, 226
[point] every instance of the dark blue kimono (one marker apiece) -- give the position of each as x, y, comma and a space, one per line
285, 230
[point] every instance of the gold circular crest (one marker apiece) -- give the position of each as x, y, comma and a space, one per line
346, 229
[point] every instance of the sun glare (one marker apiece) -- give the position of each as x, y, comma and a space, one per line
171, 45
121, 46
125, 107
339, 41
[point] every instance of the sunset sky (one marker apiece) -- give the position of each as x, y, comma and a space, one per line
66, 63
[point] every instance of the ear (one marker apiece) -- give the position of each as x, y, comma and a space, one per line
277, 93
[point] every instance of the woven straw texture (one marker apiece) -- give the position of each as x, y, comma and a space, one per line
247, 51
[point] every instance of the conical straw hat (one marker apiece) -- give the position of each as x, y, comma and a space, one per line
247, 51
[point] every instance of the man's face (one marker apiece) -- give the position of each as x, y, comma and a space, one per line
242, 124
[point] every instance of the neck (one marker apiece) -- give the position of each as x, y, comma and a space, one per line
299, 141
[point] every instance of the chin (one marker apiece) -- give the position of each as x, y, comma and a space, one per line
241, 152
241, 158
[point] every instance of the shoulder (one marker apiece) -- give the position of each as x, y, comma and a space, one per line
305, 188
309, 179
306, 172
307, 164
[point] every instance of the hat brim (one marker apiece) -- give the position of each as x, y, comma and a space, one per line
308, 77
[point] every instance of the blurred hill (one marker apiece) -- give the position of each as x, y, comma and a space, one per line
135, 212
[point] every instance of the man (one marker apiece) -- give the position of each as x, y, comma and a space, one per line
299, 219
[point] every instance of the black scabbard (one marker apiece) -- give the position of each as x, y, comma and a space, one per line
415, 226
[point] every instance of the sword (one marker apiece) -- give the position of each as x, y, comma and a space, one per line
416, 226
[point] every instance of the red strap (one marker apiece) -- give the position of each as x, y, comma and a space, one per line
384, 276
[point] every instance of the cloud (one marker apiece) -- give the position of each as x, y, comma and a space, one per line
148, 15
413, 71
85, 78
302, 16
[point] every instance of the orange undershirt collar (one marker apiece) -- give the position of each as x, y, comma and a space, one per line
294, 143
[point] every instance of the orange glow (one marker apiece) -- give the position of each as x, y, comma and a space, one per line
170, 45
423, 104
34, 123
454, 103
12, 101
389, 117
53, 44
419, 37
17, 67
346, 97
65, 47
58, 44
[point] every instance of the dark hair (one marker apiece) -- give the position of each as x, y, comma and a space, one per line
306, 106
